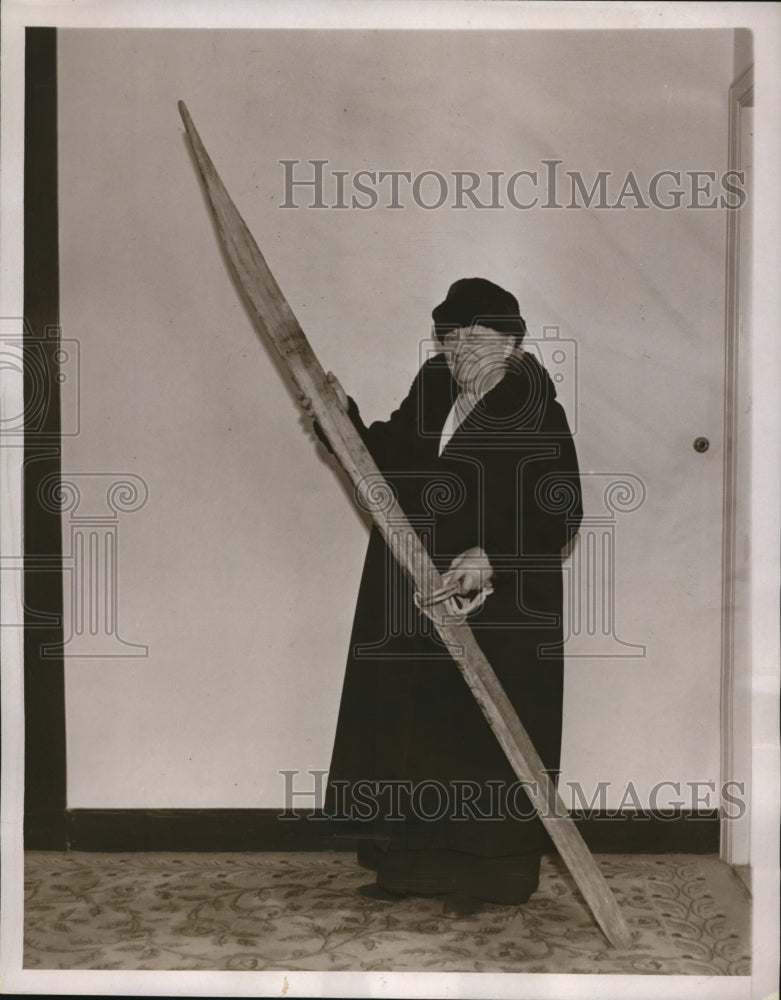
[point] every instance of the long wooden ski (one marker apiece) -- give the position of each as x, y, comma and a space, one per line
274, 318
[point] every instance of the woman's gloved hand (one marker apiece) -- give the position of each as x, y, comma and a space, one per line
341, 395
465, 586
306, 406
471, 571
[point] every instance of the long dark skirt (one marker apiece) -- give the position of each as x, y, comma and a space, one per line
416, 773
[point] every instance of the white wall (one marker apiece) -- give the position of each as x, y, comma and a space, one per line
240, 572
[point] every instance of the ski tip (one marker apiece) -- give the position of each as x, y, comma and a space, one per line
183, 111
623, 941
619, 935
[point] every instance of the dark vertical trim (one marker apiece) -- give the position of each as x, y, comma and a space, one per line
44, 692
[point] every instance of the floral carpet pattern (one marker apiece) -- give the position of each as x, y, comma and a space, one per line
689, 915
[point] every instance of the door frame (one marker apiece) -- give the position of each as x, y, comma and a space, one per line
735, 664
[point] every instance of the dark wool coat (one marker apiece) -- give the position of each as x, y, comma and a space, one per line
507, 481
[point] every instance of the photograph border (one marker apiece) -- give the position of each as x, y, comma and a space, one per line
765, 23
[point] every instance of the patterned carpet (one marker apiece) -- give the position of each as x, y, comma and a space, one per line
689, 915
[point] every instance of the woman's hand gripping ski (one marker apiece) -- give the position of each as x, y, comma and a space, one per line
465, 586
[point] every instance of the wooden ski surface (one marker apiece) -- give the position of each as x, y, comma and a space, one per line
275, 319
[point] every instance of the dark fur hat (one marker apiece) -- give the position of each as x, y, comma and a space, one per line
477, 300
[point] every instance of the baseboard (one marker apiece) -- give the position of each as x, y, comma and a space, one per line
628, 832
45, 830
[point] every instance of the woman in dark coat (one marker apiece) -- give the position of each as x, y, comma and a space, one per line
415, 766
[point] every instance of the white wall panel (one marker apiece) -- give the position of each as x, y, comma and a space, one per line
240, 571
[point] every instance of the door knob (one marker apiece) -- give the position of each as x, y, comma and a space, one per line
701, 444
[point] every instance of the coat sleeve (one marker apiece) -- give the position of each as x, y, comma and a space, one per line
550, 491
535, 505
379, 435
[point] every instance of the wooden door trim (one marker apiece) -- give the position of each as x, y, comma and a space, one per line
741, 96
